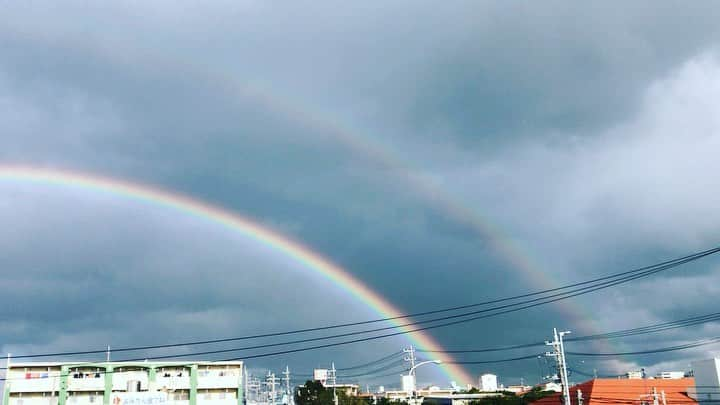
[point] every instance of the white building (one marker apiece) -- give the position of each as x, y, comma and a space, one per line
517, 389
670, 375
125, 383
707, 381
320, 374
488, 382
408, 383
552, 386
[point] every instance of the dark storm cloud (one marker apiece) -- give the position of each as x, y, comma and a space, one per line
168, 94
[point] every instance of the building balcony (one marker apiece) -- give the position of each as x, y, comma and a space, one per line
172, 382
95, 382
48, 384
218, 381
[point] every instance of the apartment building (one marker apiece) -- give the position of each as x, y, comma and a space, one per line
125, 383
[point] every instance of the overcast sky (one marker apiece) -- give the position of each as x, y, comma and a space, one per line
413, 143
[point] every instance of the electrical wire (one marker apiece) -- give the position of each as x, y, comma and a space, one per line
374, 362
691, 345
594, 285
681, 323
532, 356
531, 303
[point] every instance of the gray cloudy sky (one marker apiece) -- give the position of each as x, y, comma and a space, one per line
379, 134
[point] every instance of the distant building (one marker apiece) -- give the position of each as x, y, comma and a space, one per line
635, 375
670, 375
320, 374
603, 391
552, 386
408, 383
488, 382
707, 381
517, 389
350, 390
437, 396
125, 383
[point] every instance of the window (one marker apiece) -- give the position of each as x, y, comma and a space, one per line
181, 396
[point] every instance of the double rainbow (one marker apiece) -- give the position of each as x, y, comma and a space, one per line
188, 206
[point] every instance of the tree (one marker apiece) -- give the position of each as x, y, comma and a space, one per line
535, 394
314, 393
385, 401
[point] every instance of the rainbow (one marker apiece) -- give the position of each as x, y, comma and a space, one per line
357, 140
236, 223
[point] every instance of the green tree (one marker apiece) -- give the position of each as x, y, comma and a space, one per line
313, 393
385, 401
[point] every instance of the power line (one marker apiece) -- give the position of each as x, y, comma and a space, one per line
532, 356
681, 323
594, 375
661, 350
691, 345
378, 370
585, 291
533, 303
594, 285
374, 362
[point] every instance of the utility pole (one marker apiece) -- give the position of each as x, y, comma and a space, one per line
253, 386
107, 357
411, 355
333, 377
245, 385
7, 369
286, 373
411, 359
271, 382
559, 354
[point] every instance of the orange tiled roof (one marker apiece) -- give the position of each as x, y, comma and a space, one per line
626, 391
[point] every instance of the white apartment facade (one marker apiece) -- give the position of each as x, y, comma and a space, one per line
125, 383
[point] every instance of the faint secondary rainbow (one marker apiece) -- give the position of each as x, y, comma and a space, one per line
211, 213
356, 140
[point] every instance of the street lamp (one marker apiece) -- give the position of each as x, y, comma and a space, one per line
412, 373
